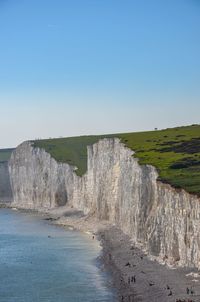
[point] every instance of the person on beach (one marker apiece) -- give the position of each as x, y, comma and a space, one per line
192, 291
151, 283
132, 279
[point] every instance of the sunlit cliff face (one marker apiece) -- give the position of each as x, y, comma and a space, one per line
116, 188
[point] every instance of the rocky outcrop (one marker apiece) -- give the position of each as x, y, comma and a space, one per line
160, 219
5, 188
37, 180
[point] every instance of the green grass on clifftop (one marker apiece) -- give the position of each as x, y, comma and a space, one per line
5, 154
71, 150
174, 152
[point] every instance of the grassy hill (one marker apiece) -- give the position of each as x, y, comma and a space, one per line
174, 152
5, 154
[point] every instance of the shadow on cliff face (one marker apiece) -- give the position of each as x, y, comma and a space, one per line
61, 195
5, 186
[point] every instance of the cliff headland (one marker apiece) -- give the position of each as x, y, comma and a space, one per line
145, 185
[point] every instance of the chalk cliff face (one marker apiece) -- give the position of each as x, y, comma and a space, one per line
160, 219
5, 188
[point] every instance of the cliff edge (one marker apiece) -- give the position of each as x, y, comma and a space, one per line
160, 219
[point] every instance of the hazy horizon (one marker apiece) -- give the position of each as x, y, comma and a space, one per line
95, 67
95, 134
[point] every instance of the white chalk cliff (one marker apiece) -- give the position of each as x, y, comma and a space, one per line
159, 218
5, 188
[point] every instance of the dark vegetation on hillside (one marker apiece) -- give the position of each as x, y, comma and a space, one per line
174, 152
5, 154
190, 147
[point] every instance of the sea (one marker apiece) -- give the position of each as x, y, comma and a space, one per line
41, 262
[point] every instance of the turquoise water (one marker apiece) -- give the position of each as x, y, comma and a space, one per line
42, 262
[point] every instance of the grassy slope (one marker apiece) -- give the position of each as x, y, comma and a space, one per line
5, 154
174, 152
72, 150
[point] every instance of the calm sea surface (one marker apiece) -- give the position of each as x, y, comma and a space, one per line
42, 262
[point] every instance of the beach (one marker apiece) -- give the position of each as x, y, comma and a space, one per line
136, 276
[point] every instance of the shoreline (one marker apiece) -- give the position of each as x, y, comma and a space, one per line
134, 275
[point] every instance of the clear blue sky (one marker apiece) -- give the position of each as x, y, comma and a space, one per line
97, 66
